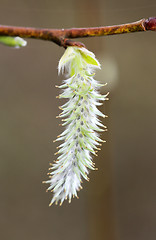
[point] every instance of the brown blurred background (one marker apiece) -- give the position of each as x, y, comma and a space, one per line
119, 202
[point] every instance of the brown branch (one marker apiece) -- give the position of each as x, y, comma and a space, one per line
62, 36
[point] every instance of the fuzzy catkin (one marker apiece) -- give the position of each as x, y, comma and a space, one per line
80, 118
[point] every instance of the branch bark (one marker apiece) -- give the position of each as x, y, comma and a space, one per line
62, 37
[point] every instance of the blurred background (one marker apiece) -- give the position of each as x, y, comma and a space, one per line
119, 202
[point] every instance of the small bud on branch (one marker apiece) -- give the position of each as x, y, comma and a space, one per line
62, 36
150, 24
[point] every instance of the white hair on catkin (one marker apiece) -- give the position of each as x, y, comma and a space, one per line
80, 118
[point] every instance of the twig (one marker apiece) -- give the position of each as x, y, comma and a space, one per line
62, 36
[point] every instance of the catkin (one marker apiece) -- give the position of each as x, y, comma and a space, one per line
80, 118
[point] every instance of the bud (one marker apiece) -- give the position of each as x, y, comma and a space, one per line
15, 42
150, 24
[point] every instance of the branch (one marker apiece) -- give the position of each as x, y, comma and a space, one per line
63, 37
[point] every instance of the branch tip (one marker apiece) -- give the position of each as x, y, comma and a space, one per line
150, 24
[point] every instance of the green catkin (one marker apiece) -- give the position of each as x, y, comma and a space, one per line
80, 118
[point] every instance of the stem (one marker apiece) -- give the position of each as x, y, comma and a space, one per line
62, 36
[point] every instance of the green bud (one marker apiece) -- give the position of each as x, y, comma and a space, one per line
16, 42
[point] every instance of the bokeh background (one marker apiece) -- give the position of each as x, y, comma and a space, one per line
119, 202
